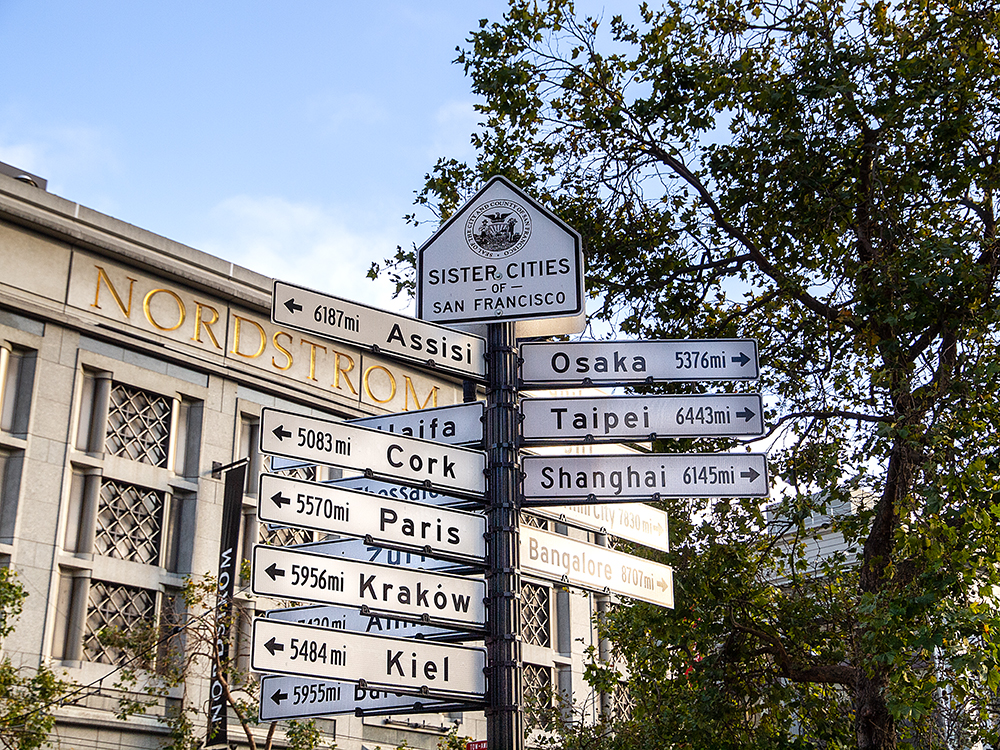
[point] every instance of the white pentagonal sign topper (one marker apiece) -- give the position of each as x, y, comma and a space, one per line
501, 257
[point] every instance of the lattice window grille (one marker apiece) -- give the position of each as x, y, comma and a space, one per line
306, 473
282, 536
116, 607
129, 522
138, 425
624, 703
535, 522
536, 624
537, 686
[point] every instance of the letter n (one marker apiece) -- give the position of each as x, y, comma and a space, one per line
102, 274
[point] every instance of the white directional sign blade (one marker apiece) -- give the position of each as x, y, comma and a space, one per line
453, 534
624, 362
551, 480
360, 551
392, 457
346, 618
460, 424
395, 591
378, 330
400, 492
627, 418
636, 522
297, 698
413, 666
501, 257
560, 558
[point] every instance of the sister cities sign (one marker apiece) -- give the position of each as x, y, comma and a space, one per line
559, 558
502, 257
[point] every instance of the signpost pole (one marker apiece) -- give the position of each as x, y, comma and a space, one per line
504, 716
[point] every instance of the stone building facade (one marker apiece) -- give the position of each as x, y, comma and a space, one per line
130, 366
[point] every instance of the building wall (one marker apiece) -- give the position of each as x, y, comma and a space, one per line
130, 366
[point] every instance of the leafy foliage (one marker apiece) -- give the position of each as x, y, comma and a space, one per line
160, 659
822, 178
27, 696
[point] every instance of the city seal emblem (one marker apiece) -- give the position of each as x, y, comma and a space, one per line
498, 228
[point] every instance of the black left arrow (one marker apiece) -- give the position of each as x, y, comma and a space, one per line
746, 414
274, 571
292, 307
750, 474
278, 696
280, 499
280, 432
273, 646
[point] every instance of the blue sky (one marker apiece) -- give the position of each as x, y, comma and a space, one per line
287, 137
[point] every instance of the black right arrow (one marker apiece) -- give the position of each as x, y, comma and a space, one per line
750, 474
280, 499
278, 695
292, 307
274, 571
272, 646
742, 359
663, 584
280, 432
746, 414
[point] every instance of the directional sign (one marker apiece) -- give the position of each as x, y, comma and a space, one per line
395, 591
501, 257
346, 618
636, 522
356, 549
461, 424
378, 331
453, 534
412, 666
296, 697
551, 480
624, 362
624, 418
394, 457
560, 558
387, 489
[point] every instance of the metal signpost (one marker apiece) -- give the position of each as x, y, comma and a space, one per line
502, 259
407, 460
554, 480
405, 666
381, 520
560, 558
438, 598
564, 363
621, 418
377, 330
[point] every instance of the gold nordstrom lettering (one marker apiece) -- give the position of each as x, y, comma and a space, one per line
102, 274
181, 312
367, 383
237, 329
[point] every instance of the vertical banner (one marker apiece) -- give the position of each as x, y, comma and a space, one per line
232, 512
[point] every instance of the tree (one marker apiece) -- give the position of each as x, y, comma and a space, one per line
158, 658
821, 177
27, 696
